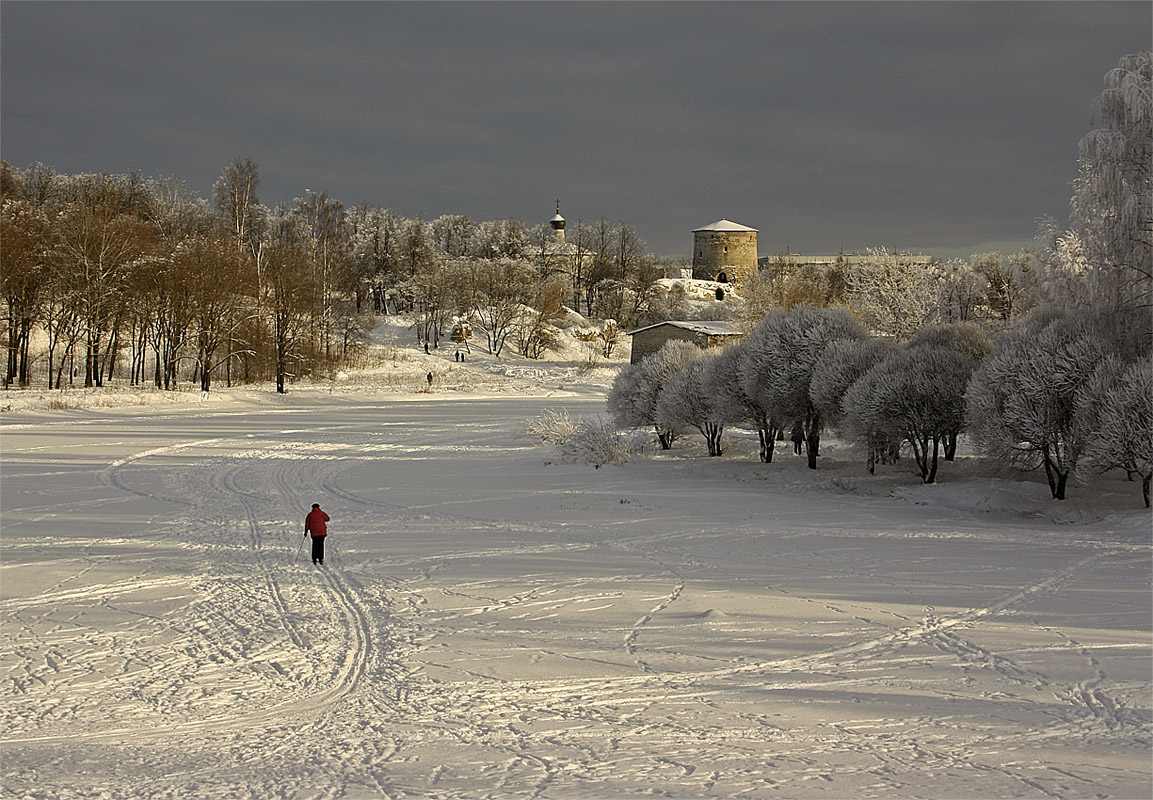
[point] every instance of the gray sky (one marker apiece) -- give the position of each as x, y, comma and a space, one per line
940, 127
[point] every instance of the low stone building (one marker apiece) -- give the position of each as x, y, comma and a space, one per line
704, 334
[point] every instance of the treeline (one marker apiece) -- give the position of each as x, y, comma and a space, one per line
109, 275
117, 275
1044, 358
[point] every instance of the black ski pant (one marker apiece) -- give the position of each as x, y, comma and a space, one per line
318, 548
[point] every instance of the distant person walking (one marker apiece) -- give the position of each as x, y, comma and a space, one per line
314, 524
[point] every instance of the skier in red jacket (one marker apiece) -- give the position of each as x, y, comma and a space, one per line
314, 524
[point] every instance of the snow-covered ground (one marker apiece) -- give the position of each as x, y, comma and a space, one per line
493, 622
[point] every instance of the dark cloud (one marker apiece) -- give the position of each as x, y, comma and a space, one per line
936, 126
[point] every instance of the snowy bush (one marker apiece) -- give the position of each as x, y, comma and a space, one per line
552, 427
597, 442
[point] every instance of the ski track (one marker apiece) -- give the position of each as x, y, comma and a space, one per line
348, 686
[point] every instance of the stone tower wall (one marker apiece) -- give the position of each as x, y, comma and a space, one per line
731, 252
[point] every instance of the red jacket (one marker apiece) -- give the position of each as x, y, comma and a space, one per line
314, 523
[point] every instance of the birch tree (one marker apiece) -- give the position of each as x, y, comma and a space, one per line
234, 195
1113, 193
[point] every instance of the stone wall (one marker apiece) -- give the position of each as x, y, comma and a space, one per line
731, 252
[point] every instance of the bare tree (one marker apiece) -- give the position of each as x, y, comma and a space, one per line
234, 195
290, 296
25, 230
100, 238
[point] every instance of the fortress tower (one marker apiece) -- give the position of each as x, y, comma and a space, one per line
724, 251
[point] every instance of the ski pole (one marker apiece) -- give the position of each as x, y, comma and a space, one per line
302, 538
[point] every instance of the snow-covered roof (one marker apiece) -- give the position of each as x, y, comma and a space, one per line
707, 327
725, 225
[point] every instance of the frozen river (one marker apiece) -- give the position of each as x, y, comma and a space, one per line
494, 623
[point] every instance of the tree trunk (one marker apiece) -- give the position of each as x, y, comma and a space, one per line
1145, 488
933, 464
768, 436
951, 445
813, 439
25, 376
10, 373
1056, 477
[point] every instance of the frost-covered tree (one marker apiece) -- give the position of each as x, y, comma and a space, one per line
1119, 406
1008, 282
841, 365
376, 241
781, 354
453, 234
632, 401
961, 292
502, 288
502, 238
965, 338
918, 396
1113, 193
720, 379
894, 293
322, 231
685, 402
536, 331
1022, 398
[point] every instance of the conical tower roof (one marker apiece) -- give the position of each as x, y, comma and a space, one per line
725, 225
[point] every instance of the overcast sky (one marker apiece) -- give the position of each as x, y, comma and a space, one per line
941, 127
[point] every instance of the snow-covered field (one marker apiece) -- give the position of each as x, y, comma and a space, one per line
493, 622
